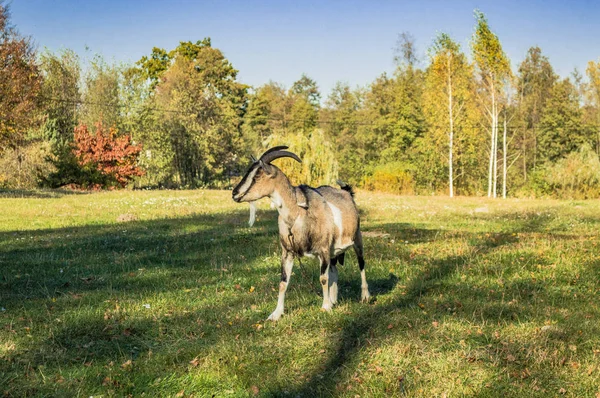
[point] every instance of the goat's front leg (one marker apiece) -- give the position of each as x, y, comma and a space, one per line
287, 263
325, 269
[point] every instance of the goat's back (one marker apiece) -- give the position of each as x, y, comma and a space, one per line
343, 200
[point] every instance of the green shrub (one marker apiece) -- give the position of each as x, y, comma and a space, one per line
576, 176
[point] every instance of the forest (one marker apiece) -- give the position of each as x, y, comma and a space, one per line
459, 121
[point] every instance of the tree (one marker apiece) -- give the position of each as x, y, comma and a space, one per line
19, 83
197, 140
61, 97
561, 124
593, 99
343, 114
305, 98
493, 69
446, 97
268, 109
535, 80
101, 96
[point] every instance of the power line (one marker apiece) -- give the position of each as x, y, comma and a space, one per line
284, 121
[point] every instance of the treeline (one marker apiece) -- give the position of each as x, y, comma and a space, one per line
461, 121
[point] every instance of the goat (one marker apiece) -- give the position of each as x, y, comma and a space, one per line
321, 222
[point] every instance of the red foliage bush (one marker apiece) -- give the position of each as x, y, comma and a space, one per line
112, 155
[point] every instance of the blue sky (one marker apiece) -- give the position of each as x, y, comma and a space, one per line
349, 41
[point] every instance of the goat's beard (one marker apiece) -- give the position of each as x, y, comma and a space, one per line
252, 213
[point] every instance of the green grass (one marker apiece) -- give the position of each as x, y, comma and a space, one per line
472, 297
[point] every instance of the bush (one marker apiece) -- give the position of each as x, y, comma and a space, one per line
107, 159
576, 176
25, 167
394, 177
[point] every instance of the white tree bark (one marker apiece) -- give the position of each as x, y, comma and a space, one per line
492, 148
504, 153
451, 119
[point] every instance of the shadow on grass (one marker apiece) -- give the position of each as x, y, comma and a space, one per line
49, 262
39, 193
472, 302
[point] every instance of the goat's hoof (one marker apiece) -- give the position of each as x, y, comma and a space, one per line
275, 316
365, 297
326, 308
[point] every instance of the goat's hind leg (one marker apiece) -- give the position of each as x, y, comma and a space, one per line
358, 248
333, 280
287, 263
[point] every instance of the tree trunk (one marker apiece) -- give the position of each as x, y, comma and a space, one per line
495, 152
451, 118
492, 147
504, 150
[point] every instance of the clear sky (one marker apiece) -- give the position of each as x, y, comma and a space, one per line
349, 41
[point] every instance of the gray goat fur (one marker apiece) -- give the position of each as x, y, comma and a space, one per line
321, 222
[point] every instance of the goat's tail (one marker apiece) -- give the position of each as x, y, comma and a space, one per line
346, 187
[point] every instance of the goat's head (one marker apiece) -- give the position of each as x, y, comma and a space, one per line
259, 179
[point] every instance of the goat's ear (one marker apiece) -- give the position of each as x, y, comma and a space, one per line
267, 168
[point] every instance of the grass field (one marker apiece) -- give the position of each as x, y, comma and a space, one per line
165, 293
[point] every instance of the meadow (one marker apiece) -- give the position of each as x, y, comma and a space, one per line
166, 293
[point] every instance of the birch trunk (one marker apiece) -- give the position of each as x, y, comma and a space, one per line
495, 150
491, 166
504, 153
451, 118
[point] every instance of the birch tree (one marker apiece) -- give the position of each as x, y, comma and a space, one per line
446, 93
593, 94
493, 67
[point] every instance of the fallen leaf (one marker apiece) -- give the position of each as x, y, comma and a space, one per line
126, 364
251, 289
435, 324
255, 390
390, 326
378, 369
195, 362
562, 391
321, 351
180, 393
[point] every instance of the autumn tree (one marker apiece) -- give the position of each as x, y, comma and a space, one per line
493, 70
19, 83
447, 102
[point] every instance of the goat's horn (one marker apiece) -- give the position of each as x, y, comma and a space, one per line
275, 148
269, 157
